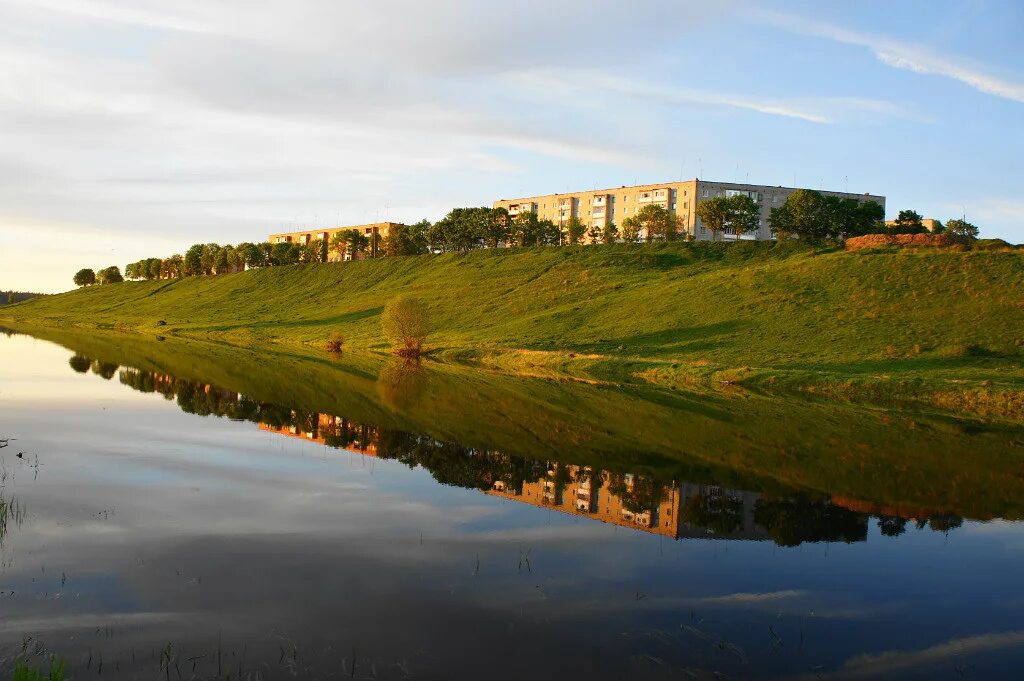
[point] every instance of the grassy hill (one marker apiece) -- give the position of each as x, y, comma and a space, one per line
933, 325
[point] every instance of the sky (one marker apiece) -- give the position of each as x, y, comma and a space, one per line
132, 129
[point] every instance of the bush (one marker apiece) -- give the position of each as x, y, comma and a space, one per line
405, 324
335, 342
23, 672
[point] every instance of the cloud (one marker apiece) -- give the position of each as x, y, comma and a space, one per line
873, 665
821, 110
904, 55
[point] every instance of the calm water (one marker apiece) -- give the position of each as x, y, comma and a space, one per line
179, 512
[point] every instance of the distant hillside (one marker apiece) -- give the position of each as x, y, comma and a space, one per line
19, 296
674, 310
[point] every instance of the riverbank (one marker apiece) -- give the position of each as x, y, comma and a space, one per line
930, 327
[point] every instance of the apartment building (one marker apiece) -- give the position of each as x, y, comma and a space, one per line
598, 207
375, 234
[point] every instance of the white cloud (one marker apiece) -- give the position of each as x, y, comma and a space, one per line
905, 55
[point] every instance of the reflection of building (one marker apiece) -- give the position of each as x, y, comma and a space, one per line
618, 500
734, 510
374, 234
330, 430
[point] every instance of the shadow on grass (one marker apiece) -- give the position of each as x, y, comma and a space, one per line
346, 318
668, 341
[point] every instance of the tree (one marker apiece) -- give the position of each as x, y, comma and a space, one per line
594, 233
574, 230
743, 215
85, 277
208, 259
110, 275
11, 298
173, 267
909, 222
311, 252
194, 260
324, 249
285, 253
405, 323
528, 230
610, 233
714, 213
496, 231
655, 222
406, 239
222, 260
236, 258
961, 230
806, 210
630, 230
339, 243
780, 222
869, 218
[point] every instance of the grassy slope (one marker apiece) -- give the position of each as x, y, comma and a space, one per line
928, 320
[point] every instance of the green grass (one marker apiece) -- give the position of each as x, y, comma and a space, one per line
926, 324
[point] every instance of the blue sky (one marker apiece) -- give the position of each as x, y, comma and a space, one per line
133, 129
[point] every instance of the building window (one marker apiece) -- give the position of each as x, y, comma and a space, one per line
705, 193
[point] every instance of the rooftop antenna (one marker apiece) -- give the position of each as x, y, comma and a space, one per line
846, 185
700, 167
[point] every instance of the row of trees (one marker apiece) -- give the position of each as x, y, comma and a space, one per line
105, 275
806, 214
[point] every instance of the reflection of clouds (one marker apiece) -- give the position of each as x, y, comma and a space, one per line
751, 598
84, 621
875, 664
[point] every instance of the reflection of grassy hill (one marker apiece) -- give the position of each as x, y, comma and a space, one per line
857, 323
878, 457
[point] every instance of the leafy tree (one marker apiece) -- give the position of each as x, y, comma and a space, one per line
595, 233
653, 221
285, 253
325, 248
496, 231
909, 222
339, 243
961, 230
869, 219
405, 323
780, 222
173, 267
528, 230
110, 275
574, 230
610, 233
406, 239
11, 298
194, 260
236, 258
222, 260
263, 258
209, 257
311, 251
714, 213
806, 208
744, 215
630, 230
85, 277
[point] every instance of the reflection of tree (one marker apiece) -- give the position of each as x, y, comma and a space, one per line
104, 369
401, 383
80, 363
718, 513
638, 493
891, 525
790, 522
945, 522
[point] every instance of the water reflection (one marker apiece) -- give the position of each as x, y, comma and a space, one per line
353, 518
669, 508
